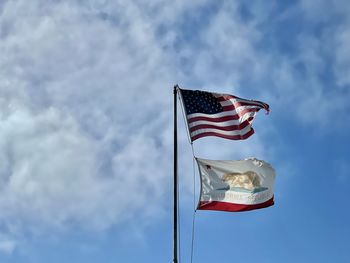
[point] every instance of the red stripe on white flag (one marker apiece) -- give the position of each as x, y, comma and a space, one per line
230, 207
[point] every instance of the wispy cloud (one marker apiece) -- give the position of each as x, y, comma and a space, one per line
85, 96
79, 93
7, 246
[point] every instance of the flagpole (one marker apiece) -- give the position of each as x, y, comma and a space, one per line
175, 213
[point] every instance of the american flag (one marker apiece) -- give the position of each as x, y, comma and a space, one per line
221, 115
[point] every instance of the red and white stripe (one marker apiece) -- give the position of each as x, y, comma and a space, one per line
233, 123
229, 207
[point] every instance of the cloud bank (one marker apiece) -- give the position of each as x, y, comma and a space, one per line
86, 95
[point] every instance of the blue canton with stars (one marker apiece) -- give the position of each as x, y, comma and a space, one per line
197, 101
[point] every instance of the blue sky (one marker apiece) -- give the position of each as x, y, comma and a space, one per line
86, 128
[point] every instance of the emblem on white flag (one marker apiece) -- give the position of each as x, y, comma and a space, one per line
235, 185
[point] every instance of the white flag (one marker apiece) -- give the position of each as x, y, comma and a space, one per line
235, 185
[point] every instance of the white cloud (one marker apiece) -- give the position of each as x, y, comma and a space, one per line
86, 109
342, 55
332, 18
340, 169
297, 81
86, 101
79, 141
7, 246
81, 86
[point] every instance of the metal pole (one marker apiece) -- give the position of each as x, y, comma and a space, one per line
175, 179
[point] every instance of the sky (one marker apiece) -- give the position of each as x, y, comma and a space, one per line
86, 128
